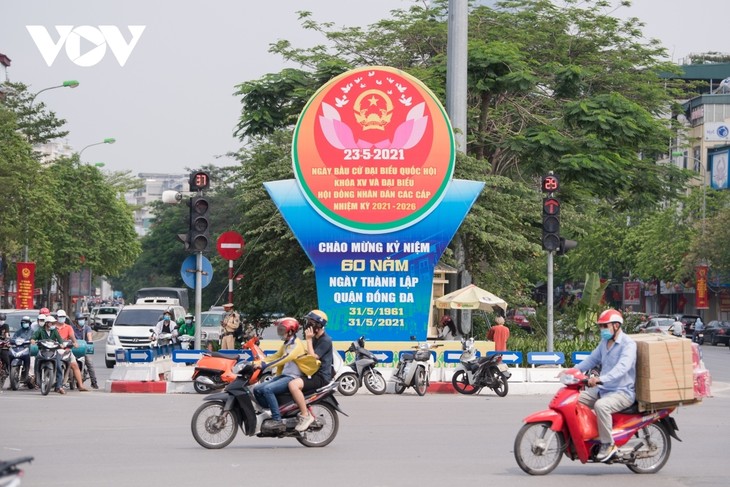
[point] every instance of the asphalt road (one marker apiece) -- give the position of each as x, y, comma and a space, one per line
101, 439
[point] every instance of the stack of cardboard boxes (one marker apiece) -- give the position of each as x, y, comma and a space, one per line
664, 370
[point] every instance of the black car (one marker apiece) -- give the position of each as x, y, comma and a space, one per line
689, 323
717, 332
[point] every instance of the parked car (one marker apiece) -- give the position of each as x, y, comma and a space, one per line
210, 324
521, 317
717, 332
659, 325
102, 317
689, 323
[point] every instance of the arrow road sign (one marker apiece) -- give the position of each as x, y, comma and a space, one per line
509, 357
578, 357
541, 358
136, 356
383, 356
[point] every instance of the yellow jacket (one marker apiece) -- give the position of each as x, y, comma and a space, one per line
297, 352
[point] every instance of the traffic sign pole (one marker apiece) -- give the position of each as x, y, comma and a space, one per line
230, 281
198, 296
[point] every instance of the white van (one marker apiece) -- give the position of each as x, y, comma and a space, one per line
131, 328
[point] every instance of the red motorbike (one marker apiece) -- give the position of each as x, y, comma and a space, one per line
571, 428
215, 370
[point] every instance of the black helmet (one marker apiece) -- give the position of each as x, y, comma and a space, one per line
3, 317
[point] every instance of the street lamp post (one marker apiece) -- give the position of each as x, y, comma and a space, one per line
66, 84
108, 140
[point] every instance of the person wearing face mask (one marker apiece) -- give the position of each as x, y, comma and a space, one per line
614, 389
82, 331
4, 349
67, 334
25, 333
47, 331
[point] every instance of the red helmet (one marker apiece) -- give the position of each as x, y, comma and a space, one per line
285, 327
610, 316
44, 311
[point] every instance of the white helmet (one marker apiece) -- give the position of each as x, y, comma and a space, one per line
61, 313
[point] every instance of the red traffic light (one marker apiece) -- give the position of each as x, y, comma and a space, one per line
550, 184
551, 206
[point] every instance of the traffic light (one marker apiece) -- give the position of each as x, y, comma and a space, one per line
550, 224
199, 180
199, 234
566, 246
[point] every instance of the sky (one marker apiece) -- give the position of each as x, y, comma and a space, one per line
170, 106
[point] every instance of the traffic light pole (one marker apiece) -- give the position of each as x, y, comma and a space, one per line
198, 296
550, 301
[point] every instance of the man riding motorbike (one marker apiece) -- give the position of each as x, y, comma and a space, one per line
613, 390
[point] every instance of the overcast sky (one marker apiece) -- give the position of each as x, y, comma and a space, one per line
171, 106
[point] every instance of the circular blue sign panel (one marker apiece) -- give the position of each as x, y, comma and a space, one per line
188, 271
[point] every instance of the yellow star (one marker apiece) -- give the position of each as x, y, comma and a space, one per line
373, 100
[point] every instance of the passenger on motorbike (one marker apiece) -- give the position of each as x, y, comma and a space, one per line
613, 390
82, 331
25, 333
319, 345
47, 331
287, 362
67, 334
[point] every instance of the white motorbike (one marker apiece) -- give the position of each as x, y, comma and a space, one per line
186, 342
414, 369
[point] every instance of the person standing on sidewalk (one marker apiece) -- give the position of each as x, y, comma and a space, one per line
230, 323
499, 334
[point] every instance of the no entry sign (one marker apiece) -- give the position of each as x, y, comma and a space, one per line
230, 245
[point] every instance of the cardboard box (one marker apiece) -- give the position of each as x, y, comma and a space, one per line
664, 372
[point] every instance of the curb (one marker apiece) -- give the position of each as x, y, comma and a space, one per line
157, 387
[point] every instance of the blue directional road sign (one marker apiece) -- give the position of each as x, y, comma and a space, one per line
542, 358
137, 356
187, 271
578, 357
509, 357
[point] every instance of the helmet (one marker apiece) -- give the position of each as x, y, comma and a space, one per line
168, 311
189, 315
41, 317
45, 311
317, 316
610, 316
61, 313
51, 319
286, 326
79, 316
3, 317
181, 321
25, 318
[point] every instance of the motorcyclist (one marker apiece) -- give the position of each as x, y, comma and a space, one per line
319, 345
82, 331
67, 334
613, 390
186, 326
165, 325
290, 364
25, 333
47, 331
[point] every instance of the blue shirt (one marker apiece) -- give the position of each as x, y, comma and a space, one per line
618, 366
699, 326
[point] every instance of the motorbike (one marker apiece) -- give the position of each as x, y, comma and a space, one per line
46, 364
215, 423
4, 343
414, 369
162, 342
10, 474
18, 373
473, 374
214, 370
186, 342
570, 428
361, 371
